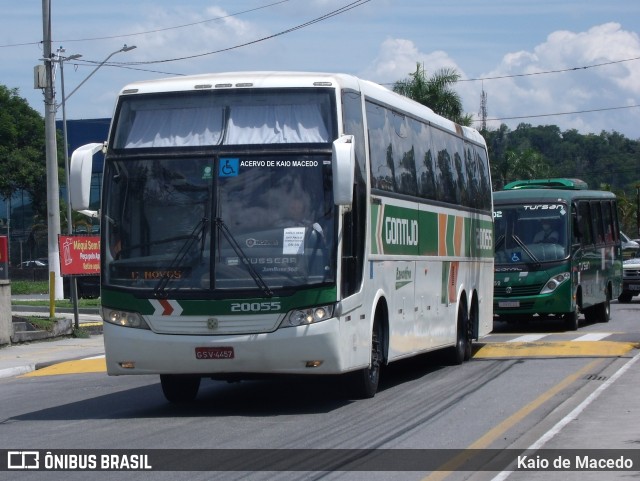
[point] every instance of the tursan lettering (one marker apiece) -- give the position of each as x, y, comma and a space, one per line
400, 231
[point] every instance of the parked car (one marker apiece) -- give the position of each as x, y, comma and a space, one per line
630, 279
629, 248
32, 263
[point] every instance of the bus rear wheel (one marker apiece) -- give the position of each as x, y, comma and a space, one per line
179, 388
625, 297
600, 312
461, 351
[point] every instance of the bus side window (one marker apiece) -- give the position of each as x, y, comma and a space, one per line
584, 216
607, 220
598, 231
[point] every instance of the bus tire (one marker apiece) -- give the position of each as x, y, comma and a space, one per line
179, 389
461, 351
625, 297
604, 310
364, 383
571, 321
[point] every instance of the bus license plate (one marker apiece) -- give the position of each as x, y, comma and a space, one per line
214, 353
509, 304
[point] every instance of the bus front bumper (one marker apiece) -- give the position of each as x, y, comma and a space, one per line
310, 349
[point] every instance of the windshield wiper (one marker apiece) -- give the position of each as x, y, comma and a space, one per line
245, 260
196, 235
526, 249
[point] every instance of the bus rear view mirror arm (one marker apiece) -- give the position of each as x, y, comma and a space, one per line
343, 164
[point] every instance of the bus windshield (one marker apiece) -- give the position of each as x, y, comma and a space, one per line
240, 222
531, 233
227, 117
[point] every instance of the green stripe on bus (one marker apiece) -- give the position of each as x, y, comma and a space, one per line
205, 307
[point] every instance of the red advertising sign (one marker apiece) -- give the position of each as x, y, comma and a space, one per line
4, 251
79, 254
4, 257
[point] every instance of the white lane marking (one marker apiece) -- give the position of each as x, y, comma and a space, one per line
546, 437
528, 338
593, 336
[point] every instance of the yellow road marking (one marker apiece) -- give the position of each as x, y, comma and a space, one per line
554, 349
71, 367
498, 431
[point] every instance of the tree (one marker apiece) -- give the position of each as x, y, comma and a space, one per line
22, 148
435, 92
518, 165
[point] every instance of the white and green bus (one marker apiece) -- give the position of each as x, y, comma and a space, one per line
557, 251
286, 223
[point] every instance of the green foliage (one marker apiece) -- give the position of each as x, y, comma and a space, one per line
435, 92
607, 160
22, 150
29, 287
22, 146
42, 323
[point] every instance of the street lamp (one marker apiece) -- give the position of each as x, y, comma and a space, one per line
72, 280
123, 49
52, 180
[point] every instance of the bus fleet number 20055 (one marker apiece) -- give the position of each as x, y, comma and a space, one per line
255, 306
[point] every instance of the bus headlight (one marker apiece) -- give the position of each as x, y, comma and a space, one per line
124, 318
301, 317
554, 282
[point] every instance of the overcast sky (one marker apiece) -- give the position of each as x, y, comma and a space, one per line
571, 63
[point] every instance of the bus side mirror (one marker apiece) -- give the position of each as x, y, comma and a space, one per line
343, 165
80, 168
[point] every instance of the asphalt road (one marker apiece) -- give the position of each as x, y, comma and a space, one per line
522, 379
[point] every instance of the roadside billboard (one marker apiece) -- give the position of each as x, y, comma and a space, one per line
4, 257
79, 255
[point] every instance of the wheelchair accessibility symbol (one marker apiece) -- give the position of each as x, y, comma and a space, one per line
228, 167
516, 257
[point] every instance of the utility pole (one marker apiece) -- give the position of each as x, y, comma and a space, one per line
483, 109
53, 190
638, 210
73, 292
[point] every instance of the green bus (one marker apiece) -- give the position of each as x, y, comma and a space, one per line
557, 252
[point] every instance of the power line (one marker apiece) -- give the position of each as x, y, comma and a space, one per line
90, 39
546, 72
543, 72
559, 113
177, 26
91, 63
326, 16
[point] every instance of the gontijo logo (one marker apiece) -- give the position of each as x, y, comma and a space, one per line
399, 231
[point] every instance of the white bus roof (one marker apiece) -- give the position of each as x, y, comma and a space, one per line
276, 79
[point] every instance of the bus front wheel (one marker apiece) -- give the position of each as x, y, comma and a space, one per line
571, 321
179, 389
364, 383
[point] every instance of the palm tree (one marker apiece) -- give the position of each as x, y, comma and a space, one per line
435, 92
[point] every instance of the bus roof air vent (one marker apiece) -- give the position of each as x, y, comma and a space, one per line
557, 183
